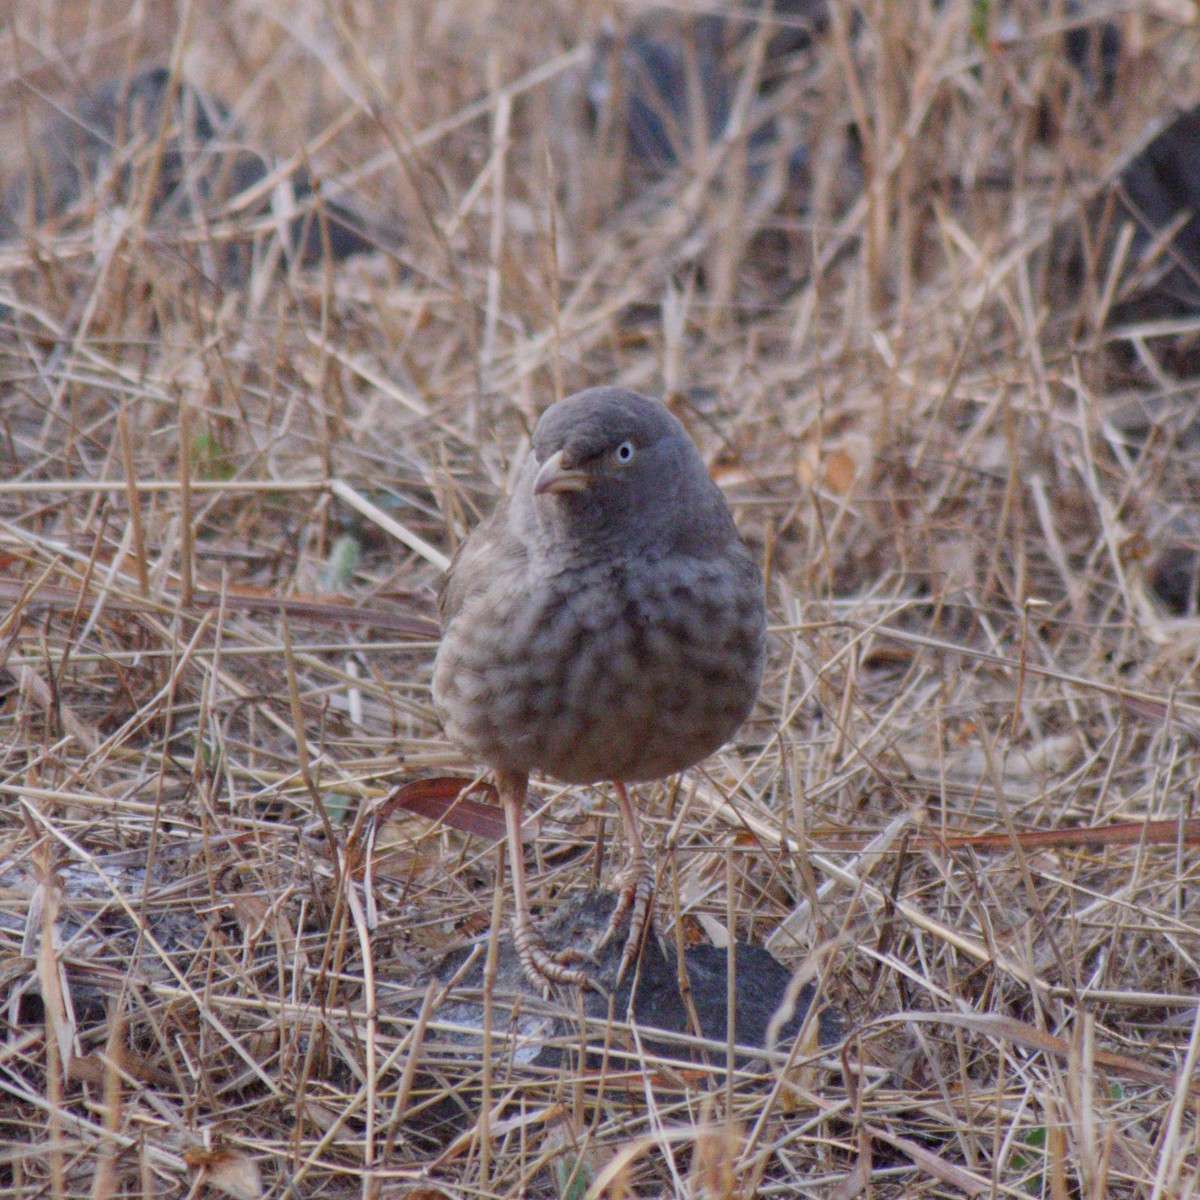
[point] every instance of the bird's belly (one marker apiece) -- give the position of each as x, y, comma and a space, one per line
603, 676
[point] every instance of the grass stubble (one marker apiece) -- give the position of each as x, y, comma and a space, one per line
224, 509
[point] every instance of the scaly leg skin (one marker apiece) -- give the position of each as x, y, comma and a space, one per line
635, 881
541, 967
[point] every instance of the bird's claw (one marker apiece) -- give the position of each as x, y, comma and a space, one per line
543, 967
636, 888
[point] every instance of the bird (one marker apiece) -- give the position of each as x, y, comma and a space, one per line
606, 623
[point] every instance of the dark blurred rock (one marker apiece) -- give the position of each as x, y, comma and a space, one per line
1175, 579
761, 983
1162, 429
1160, 188
1094, 50
108, 147
1149, 215
659, 92
664, 91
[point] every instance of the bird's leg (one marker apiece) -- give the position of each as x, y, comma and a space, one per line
635, 882
541, 966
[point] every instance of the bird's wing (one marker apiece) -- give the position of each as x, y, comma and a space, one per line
490, 542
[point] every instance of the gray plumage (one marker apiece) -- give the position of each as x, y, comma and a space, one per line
611, 627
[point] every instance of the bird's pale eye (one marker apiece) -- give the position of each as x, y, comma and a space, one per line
624, 453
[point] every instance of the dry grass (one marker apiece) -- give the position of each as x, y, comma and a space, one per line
917, 423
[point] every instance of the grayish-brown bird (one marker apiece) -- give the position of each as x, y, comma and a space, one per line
604, 623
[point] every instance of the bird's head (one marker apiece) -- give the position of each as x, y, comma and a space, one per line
616, 467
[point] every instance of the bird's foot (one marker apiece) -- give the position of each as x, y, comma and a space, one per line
635, 883
543, 967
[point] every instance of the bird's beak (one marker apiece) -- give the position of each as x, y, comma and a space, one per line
555, 478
